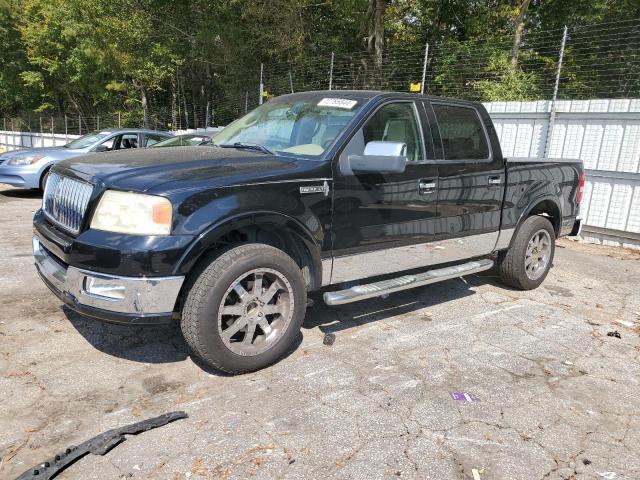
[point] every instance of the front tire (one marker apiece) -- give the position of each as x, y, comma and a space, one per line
245, 309
527, 262
43, 179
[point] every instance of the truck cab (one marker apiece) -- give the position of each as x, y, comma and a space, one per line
359, 194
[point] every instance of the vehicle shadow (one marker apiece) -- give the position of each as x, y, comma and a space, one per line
142, 343
343, 317
20, 193
165, 344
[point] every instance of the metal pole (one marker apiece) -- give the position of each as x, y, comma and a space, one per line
66, 131
246, 102
119, 118
552, 112
41, 134
290, 81
98, 121
52, 126
79, 124
424, 67
331, 73
261, 84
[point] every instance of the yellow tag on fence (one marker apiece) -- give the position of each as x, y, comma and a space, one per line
415, 87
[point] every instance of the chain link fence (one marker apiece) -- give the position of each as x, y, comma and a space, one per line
598, 61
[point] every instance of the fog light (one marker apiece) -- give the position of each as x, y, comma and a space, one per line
107, 289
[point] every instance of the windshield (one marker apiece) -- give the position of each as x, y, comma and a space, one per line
292, 125
87, 140
181, 141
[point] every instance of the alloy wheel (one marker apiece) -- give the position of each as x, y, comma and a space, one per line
538, 254
255, 311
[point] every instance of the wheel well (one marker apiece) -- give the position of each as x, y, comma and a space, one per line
278, 237
43, 175
549, 209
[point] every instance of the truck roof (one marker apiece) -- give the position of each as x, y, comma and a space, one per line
371, 94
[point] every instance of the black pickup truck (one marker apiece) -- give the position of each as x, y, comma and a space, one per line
357, 193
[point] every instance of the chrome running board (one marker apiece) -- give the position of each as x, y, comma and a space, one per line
384, 287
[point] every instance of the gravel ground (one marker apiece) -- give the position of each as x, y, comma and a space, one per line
551, 394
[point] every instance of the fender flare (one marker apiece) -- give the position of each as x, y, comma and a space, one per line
203, 242
529, 208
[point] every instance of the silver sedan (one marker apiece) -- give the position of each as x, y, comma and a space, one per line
28, 168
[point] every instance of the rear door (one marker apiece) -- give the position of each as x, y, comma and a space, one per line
381, 221
470, 181
149, 139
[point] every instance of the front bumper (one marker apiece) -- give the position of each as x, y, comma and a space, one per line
25, 176
143, 300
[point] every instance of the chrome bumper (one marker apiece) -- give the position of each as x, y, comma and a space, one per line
141, 299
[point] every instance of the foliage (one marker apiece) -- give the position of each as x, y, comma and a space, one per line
506, 83
173, 60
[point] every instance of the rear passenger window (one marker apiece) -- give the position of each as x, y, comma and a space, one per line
463, 137
151, 139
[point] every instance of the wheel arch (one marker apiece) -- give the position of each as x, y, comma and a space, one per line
43, 172
271, 228
546, 206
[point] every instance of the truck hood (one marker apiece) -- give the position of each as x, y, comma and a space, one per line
162, 170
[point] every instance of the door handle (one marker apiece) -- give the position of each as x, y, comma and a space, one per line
426, 186
494, 181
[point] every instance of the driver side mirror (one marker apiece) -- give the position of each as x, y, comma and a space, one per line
378, 157
102, 148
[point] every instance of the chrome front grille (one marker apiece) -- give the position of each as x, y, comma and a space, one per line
65, 201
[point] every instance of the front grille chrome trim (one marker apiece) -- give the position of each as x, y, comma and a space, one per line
65, 201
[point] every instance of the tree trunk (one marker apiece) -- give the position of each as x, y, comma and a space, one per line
145, 106
174, 102
143, 101
378, 28
186, 112
523, 6
375, 38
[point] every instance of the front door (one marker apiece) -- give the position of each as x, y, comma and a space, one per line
382, 221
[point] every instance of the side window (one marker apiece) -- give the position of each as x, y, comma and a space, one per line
395, 122
150, 139
128, 140
463, 137
107, 145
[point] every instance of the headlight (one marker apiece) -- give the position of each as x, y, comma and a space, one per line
133, 213
28, 160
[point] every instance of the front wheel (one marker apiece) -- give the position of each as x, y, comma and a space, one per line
526, 264
245, 309
43, 179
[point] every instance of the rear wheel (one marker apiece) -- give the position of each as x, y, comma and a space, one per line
245, 309
527, 262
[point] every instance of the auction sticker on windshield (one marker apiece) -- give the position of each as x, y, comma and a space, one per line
337, 103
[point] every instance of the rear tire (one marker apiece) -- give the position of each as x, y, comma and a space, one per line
527, 262
245, 309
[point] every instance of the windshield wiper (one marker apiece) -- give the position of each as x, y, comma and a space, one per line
251, 146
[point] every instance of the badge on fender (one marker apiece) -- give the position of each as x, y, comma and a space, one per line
324, 188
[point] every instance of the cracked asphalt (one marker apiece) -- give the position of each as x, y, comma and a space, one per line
553, 396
